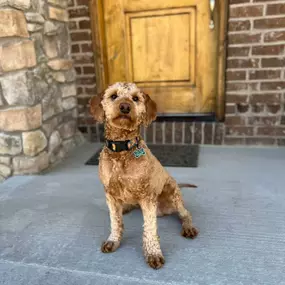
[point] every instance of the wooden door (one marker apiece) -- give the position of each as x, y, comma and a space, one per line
166, 47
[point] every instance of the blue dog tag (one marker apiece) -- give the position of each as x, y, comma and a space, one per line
139, 152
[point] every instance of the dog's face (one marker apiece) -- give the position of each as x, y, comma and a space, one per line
123, 106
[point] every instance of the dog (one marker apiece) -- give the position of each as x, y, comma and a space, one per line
131, 175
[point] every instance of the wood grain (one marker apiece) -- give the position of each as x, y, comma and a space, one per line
165, 46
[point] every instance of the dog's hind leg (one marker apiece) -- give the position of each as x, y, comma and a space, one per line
171, 201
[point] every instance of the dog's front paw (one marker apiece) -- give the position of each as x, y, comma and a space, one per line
155, 261
109, 246
189, 232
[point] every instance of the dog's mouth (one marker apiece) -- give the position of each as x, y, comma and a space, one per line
123, 117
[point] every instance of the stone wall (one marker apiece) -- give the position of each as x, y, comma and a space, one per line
255, 80
38, 104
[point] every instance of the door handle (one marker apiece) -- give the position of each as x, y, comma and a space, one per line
212, 9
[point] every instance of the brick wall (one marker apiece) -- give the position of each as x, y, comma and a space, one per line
82, 54
255, 79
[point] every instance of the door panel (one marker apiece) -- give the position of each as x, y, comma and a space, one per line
156, 52
167, 48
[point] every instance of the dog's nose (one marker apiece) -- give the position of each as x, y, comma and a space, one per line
125, 108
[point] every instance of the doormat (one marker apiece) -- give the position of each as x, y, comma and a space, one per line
168, 155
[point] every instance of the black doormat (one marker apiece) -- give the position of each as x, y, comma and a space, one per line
168, 155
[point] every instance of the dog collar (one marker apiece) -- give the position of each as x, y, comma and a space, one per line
118, 146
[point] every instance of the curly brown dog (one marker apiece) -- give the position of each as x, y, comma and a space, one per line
131, 175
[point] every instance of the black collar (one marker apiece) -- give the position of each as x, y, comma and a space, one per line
118, 146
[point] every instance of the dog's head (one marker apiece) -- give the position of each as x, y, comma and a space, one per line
124, 106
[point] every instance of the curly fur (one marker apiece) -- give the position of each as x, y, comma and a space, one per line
131, 182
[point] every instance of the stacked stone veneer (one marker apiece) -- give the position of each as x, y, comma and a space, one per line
38, 105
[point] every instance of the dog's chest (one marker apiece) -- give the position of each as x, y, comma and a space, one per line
124, 179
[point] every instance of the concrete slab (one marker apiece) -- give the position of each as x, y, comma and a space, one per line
52, 225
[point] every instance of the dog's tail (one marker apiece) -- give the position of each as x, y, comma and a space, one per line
186, 185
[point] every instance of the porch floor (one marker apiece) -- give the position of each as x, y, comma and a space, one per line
52, 226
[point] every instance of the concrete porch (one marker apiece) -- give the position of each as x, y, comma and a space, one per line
52, 226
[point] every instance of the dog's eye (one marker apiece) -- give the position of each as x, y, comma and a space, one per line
136, 98
114, 97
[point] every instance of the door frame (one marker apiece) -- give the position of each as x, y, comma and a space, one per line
100, 56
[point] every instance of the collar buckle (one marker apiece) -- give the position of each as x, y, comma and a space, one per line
118, 146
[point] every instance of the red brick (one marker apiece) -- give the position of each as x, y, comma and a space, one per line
246, 11
218, 133
275, 9
276, 85
82, 59
262, 120
87, 48
75, 49
235, 26
231, 86
257, 108
230, 109
89, 121
262, 1
158, 133
254, 86
264, 74
235, 39
90, 91
188, 132
178, 130
273, 108
274, 36
208, 133
197, 133
234, 141
265, 98
243, 63
88, 70
235, 120
236, 98
78, 12
269, 23
271, 131
273, 62
80, 36
268, 50
242, 107
72, 25
168, 132
83, 101
84, 24
260, 141
237, 51
232, 2
79, 90
239, 131
242, 86
86, 81
235, 75
149, 134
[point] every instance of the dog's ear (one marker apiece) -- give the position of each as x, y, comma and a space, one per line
151, 110
96, 108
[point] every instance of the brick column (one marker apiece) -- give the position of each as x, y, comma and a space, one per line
38, 105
